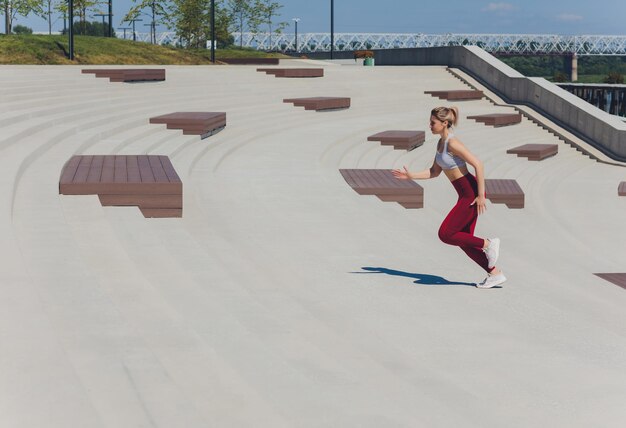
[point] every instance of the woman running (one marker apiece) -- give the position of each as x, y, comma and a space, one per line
457, 229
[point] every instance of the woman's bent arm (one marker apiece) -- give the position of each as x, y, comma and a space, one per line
405, 174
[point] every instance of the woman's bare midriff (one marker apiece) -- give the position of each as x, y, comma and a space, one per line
455, 173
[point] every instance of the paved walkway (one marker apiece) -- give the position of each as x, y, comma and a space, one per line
282, 298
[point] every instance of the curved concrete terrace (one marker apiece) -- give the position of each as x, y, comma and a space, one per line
283, 298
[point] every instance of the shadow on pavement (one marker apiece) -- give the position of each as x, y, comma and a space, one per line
420, 278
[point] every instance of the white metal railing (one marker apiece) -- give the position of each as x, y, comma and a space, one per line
496, 43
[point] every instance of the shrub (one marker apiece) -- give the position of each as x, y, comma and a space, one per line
614, 78
90, 29
22, 29
560, 77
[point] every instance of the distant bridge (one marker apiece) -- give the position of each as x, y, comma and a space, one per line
511, 44
505, 44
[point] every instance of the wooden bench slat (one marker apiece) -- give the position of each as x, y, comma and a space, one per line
172, 176
132, 169
457, 94
250, 61
108, 169
120, 175
363, 180
192, 123
382, 184
69, 170
400, 140
142, 201
504, 191
157, 173
320, 103
128, 75
498, 119
145, 170
377, 179
95, 170
123, 188
83, 169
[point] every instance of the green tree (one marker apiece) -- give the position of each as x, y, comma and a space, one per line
81, 7
12, 8
266, 11
158, 12
191, 19
240, 13
48, 7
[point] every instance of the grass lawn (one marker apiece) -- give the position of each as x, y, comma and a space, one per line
44, 49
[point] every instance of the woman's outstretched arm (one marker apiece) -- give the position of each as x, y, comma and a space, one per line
405, 174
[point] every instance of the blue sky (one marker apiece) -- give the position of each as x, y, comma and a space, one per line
431, 17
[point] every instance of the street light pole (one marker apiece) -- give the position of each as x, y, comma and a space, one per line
296, 20
124, 28
213, 31
150, 25
332, 28
134, 33
70, 31
110, 18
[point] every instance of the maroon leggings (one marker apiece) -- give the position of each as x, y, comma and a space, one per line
458, 227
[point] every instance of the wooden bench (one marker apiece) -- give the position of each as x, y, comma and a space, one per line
320, 103
618, 279
506, 192
400, 140
204, 124
293, 72
382, 184
457, 95
535, 152
146, 181
621, 189
128, 74
498, 119
250, 61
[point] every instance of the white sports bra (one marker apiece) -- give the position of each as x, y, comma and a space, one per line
447, 160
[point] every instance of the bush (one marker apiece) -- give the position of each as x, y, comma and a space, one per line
22, 29
90, 29
614, 78
560, 77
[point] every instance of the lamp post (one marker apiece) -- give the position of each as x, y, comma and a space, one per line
110, 18
332, 28
151, 25
213, 31
296, 20
70, 31
133, 22
124, 28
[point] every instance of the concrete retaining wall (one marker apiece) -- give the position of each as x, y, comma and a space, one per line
598, 128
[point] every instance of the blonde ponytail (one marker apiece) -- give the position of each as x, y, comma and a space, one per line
450, 114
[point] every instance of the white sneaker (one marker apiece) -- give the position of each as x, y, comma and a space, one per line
492, 252
492, 281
